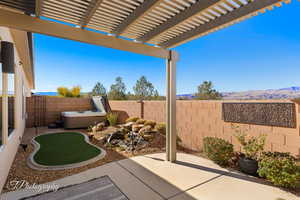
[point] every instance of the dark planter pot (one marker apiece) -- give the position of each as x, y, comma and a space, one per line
248, 166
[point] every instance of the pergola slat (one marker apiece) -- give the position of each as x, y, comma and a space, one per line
220, 21
135, 15
177, 19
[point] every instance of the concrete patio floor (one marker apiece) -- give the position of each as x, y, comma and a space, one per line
190, 178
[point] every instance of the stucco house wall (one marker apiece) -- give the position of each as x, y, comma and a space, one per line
8, 151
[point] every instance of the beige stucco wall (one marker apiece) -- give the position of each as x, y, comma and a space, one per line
8, 151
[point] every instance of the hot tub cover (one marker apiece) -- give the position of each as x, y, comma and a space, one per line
87, 113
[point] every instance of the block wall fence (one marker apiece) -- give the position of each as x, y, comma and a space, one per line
195, 120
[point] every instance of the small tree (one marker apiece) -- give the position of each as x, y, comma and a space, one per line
66, 92
75, 91
117, 90
144, 89
99, 90
63, 91
206, 91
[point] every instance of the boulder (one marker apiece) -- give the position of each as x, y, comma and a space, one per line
94, 130
137, 127
106, 123
141, 121
141, 145
128, 125
150, 122
100, 126
122, 144
145, 129
124, 130
115, 142
148, 137
115, 136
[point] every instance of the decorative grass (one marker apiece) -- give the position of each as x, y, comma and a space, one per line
64, 148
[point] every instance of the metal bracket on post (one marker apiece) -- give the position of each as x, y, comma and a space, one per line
171, 134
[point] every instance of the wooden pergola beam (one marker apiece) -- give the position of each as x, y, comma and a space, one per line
237, 14
32, 24
139, 12
179, 18
94, 5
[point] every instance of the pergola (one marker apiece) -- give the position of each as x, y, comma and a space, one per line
148, 27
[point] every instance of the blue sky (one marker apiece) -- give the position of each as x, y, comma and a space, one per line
260, 53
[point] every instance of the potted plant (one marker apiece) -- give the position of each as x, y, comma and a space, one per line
251, 149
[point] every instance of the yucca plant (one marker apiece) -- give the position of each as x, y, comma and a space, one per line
112, 118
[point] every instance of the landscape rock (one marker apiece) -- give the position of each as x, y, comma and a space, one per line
115, 136
106, 123
128, 125
143, 144
137, 127
100, 126
150, 122
148, 137
141, 121
124, 130
145, 129
94, 130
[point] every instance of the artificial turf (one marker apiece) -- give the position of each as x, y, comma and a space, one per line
64, 148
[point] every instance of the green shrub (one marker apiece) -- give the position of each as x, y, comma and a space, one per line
161, 128
141, 121
252, 146
279, 168
132, 119
218, 150
150, 123
112, 118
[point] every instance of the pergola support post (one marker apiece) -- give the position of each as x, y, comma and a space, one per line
171, 134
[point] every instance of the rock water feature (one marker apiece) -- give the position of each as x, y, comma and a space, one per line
132, 136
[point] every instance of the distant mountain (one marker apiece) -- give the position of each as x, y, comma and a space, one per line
185, 96
46, 93
282, 93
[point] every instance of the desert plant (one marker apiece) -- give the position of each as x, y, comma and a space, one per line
63, 91
141, 121
280, 168
66, 92
75, 91
132, 119
252, 146
150, 123
161, 128
112, 118
218, 150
